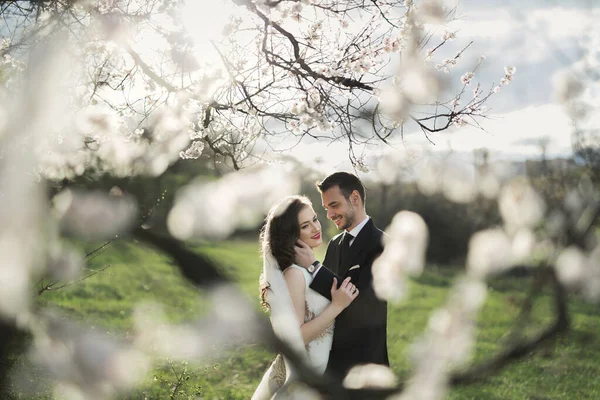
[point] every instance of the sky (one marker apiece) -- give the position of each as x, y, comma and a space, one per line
539, 38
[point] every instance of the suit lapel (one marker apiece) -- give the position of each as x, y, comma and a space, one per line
360, 244
336, 254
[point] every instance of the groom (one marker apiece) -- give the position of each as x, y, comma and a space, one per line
360, 330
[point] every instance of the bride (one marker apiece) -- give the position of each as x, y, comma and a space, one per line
301, 317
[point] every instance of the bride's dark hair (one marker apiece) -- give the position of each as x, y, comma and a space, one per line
280, 233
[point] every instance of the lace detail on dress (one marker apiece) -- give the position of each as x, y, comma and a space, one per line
309, 315
327, 332
278, 371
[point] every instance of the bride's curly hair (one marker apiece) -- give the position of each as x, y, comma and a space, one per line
279, 235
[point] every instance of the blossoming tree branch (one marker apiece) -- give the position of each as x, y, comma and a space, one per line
274, 73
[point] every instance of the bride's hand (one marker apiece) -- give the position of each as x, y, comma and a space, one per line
343, 296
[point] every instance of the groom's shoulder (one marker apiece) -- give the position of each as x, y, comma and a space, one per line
376, 232
336, 238
377, 237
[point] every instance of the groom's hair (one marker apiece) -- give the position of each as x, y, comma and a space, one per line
347, 183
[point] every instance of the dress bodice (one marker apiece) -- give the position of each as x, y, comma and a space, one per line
315, 304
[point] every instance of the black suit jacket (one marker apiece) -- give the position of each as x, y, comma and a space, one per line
360, 330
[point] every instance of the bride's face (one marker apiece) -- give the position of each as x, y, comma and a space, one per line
310, 227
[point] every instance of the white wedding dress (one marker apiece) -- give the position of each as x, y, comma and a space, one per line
279, 380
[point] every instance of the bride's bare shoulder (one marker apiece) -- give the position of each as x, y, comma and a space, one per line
294, 275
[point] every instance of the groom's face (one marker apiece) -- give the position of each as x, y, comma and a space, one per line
339, 209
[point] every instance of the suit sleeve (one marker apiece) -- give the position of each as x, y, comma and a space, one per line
324, 278
323, 281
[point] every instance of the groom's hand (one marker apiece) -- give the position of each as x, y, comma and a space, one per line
304, 254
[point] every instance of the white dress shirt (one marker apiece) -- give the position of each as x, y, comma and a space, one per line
354, 232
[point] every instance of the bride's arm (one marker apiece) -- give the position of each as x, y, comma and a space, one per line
342, 297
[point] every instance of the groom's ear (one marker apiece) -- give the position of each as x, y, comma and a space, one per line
355, 197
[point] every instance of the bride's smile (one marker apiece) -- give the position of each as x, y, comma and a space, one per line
310, 227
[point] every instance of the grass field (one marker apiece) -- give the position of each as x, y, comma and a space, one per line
566, 369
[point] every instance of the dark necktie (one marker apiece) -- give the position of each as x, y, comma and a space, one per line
346, 241
345, 248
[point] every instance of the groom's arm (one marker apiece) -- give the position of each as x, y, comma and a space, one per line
322, 281
322, 276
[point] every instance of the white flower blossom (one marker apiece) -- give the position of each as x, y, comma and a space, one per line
448, 35
194, 151
446, 65
460, 122
467, 78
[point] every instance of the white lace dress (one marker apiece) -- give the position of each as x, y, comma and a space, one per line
318, 349
280, 376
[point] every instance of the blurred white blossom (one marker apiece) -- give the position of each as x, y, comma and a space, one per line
64, 263
489, 185
580, 272
566, 86
214, 209
394, 104
94, 215
490, 251
430, 176
403, 254
459, 182
231, 320
570, 267
87, 363
447, 342
24, 213
370, 376
418, 82
591, 285
431, 12
523, 245
520, 205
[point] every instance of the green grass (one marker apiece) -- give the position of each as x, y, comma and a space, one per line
565, 369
